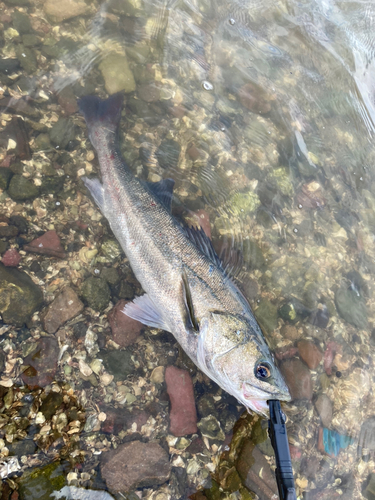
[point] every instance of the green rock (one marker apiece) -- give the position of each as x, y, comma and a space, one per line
111, 276
3, 246
111, 250
39, 484
95, 292
30, 40
351, 307
62, 132
210, 427
5, 176
21, 189
133, 8
280, 178
19, 296
21, 22
288, 313
117, 74
27, 59
42, 142
168, 154
244, 203
52, 403
117, 363
126, 291
52, 185
266, 315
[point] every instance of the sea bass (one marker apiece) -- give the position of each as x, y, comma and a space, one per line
187, 291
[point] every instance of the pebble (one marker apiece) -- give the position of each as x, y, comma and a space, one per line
117, 74
22, 189
68, 101
65, 307
62, 132
11, 258
254, 99
266, 314
20, 297
95, 292
125, 330
51, 404
117, 363
62, 10
324, 408
310, 353
183, 415
290, 332
157, 375
168, 154
8, 231
47, 244
42, 363
210, 427
351, 307
135, 465
250, 288
118, 419
298, 379
149, 92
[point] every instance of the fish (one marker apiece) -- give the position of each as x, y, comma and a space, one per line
187, 289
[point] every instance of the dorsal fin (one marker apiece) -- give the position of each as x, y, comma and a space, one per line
163, 190
203, 242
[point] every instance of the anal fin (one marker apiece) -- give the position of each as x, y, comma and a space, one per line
96, 190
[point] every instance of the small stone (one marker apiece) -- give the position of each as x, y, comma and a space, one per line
47, 244
42, 363
168, 154
95, 292
117, 74
62, 132
110, 274
11, 258
27, 59
42, 142
290, 332
310, 353
125, 330
20, 223
254, 99
65, 307
21, 22
126, 291
22, 189
5, 176
324, 408
20, 297
111, 250
30, 40
266, 314
135, 465
351, 307
157, 375
62, 10
84, 368
8, 231
298, 379
149, 92
3, 246
210, 427
250, 288
68, 101
183, 415
21, 448
51, 404
117, 363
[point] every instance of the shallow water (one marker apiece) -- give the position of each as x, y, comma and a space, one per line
263, 114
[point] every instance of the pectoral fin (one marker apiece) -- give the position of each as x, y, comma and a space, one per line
191, 322
142, 309
96, 190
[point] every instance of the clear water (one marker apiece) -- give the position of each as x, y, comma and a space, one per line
263, 113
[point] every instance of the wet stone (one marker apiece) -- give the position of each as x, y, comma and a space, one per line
20, 448
65, 307
290, 332
206, 406
3, 246
135, 465
30, 40
266, 315
95, 293
21, 22
52, 184
22, 189
19, 296
40, 483
252, 254
5, 176
9, 65
250, 288
254, 99
51, 404
168, 154
42, 363
210, 427
20, 223
68, 101
42, 142
183, 415
310, 353
126, 291
110, 274
11, 258
27, 59
62, 133
60, 11
324, 408
8, 231
149, 92
117, 363
47, 244
351, 307
125, 330
298, 379
117, 74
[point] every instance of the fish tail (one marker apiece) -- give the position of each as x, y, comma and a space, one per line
101, 114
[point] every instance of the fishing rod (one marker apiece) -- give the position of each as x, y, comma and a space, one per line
279, 440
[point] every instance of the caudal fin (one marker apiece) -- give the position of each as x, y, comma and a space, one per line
100, 113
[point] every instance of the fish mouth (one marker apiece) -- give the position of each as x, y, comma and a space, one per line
253, 393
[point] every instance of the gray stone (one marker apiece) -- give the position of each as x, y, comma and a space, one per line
21, 22
5, 176
117, 74
168, 153
95, 292
21, 189
65, 307
266, 315
30, 40
351, 306
62, 10
42, 142
27, 59
40, 483
117, 363
62, 132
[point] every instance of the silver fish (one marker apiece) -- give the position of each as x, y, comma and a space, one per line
187, 291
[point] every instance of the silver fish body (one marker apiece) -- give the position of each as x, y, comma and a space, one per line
186, 289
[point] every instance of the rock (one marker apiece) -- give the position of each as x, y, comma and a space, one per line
21, 448
210, 428
111, 250
290, 332
125, 330
201, 219
68, 101
47, 244
21, 189
9, 66
126, 291
127, 7
95, 292
351, 307
320, 317
19, 296
254, 99
119, 419
27, 59
51, 404
183, 415
298, 379
65, 307
206, 406
149, 92
42, 142
304, 229
266, 315
62, 132
52, 184
310, 353
20, 223
157, 375
117, 363
3, 246
5, 176
8, 231
324, 408
41, 483
135, 465
42, 363
110, 274
117, 74
250, 288
168, 154
62, 10
21, 22
30, 40
11, 258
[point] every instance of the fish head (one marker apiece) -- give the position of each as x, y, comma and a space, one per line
232, 351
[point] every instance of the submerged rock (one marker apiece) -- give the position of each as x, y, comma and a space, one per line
210, 427
62, 10
51, 404
183, 415
310, 353
62, 133
168, 154
95, 292
135, 465
324, 408
42, 363
117, 74
125, 330
11, 258
65, 307
40, 483
47, 244
117, 363
21, 189
298, 379
19, 296
266, 315
351, 306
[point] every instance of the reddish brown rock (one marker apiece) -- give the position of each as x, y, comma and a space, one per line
118, 419
286, 352
310, 196
324, 408
47, 244
42, 363
329, 354
290, 332
11, 258
135, 465
193, 152
65, 307
68, 101
183, 414
125, 330
310, 353
254, 99
298, 379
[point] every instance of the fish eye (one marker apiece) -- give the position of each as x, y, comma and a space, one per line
263, 371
